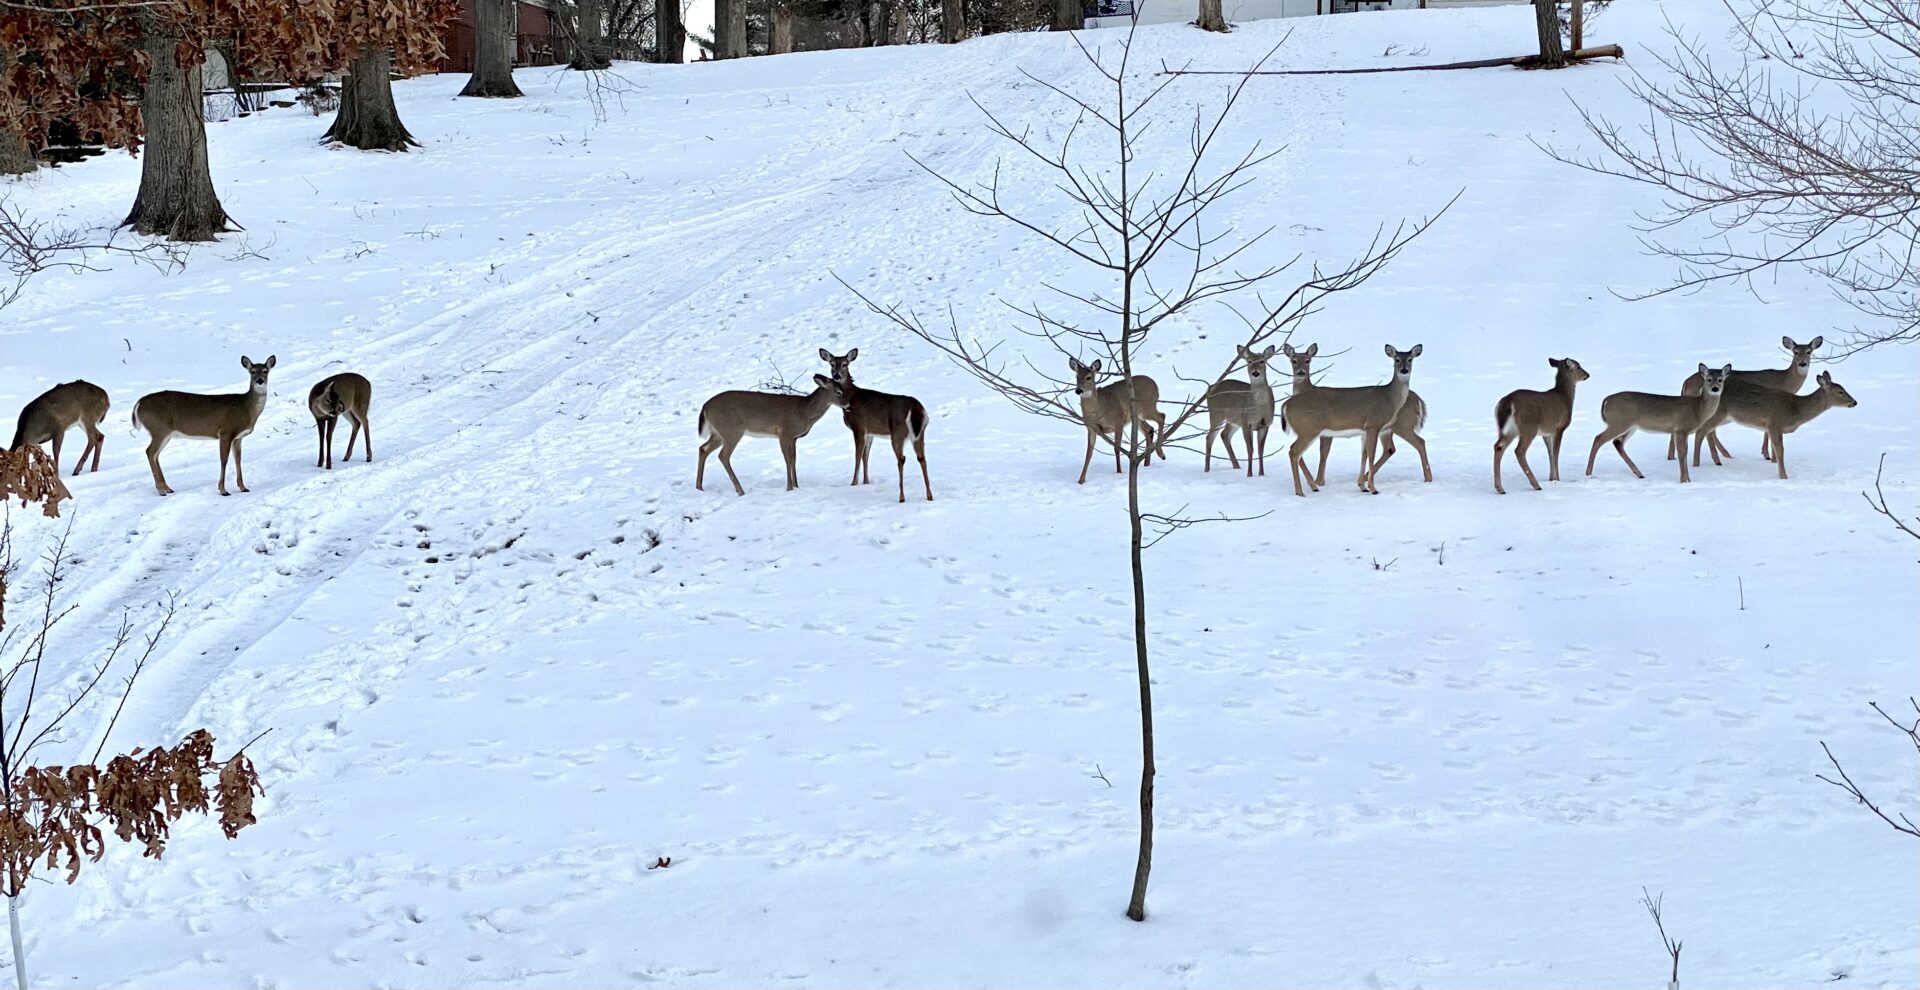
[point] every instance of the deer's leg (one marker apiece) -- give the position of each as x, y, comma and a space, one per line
1599, 440
859, 453
1369, 445
1387, 450
1264, 427
920, 452
1499, 454
1089, 461
81, 462
226, 449
1768, 453
1681, 439
1326, 449
1158, 438
1520, 456
1553, 453
1670, 451
154, 447
900, 459
726, 461
1119, 433
1419, 445
1247, 432
790, 452
99, 441
58, 436
1620, 445
1295, 452
1779, 451
866, 460
366, 436
333, 423
1719, 449
1226, 441
1206, 463
319, 443
707, 446
239, 474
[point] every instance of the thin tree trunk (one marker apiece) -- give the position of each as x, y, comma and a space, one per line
19, 949
1067, 15
176, 197
1547, 21
16, 156
729, 28
1143, 863
669, 33
1578, 14
953, 22
493, 27
368, 119
590, 37
1211, 19
782, 40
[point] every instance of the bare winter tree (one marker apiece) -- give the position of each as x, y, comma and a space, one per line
1900, 821
953, 21
29, 247
493, 34
670, 32
1803, 152
729, 28
1141, 225
1656, 906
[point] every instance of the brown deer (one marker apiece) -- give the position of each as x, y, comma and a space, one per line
1366, 412
1246, 406
1773, 412
345, 394
1674, 415
870, 414
1524, 414
1787, 379
228, 417
729, 416
1103, 408
55, 411
1406, 426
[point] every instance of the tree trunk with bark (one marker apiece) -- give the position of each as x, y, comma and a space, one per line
590, 38
953, 21
493, 32
1211, 18
16, 156
669, 32
729, 28
781, 41
1067, 16
368, 119
1547, 19
176, 198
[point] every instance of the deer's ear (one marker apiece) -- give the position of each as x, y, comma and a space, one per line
246, 363
1241, 350
271, 361
853, 353
1553, 362
825, 356
1826, 378
1095, 366
1073, 364
1815, 342
822, 381
1726, 370
1287, 349
1391, 352
1417, 349
1703, 370
1268, 352
1313, 348
1787, 342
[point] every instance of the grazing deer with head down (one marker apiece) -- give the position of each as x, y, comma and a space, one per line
1674, 415
1524, 414
228, 418
870, 414
1103, 408
1246, 406
1773, 412
1406, 426
1787, 379
58, 409
729, 416
345, 394
1366, 412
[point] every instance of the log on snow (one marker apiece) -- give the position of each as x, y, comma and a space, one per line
1517, 61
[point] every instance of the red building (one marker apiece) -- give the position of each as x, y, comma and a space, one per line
537, 40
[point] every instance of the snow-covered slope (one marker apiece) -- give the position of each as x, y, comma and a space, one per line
1435, 737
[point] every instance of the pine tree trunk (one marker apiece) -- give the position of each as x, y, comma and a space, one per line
729, 28
669, 33
493, 27
16, 156
953, 22
1067, 15
1211, 19
176, 198
368, 120
782, 40
590, 38
1547, 20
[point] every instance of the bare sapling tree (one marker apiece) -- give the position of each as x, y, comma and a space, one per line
1803, 151
1655, 905
61, 815
1900, 821
1139, 225
29, 246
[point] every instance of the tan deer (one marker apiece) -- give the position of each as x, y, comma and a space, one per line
1674, 415
870, 414
55, 411
1524, 414
1406, 426
1246, 406
1787, 379
345, 394
228, 417
1773, 412
1103, 408
1366, 412
729, 416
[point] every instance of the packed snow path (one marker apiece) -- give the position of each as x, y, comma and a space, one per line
1434, 737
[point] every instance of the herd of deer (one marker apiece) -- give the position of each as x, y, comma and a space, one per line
1764, 400
228, 418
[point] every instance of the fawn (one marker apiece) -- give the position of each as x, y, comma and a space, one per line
55, 411
1367, 412
1674, 415
228, 417
1524, 414
1775, 413
731, 415
343, 394
870, 414
1787, 379
1247, 406
1406, 426
1103, 408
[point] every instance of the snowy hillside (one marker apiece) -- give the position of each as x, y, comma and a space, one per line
1436, 737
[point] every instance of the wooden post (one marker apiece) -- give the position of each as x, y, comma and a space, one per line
1579, 9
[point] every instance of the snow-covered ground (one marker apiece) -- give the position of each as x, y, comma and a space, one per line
1436, 737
